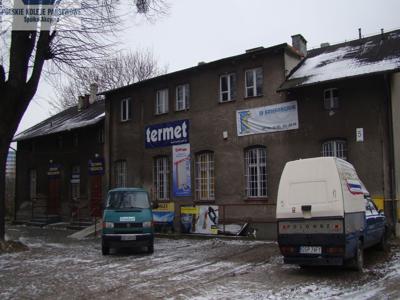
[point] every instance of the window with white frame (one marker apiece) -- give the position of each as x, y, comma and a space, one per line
256, 172
331, 99
161, 178
205, 184
335, 148
32, 184
162, 102
182, 97
126, 109
227, 87
120, 173
254, 82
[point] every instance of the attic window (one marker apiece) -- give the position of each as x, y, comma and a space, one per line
126, 109
331, 99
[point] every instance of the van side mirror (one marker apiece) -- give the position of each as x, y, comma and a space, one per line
154, 205
381, 212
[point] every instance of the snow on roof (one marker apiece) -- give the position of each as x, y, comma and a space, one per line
66, 120
375, 54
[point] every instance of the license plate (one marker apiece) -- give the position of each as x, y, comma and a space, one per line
310, 250
128, 238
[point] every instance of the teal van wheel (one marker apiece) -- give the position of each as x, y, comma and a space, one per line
105, 250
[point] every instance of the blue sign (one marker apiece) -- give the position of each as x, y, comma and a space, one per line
96, 166
167, 134
38, 2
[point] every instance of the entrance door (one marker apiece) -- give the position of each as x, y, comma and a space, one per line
53, 202
95, 195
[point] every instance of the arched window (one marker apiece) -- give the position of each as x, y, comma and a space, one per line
161, 177
205, 183
256, 172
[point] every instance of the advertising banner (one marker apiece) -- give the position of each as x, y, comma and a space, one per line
167, 134
199, 219
272, 118
181, 170
165, 213
54, 171
96, 166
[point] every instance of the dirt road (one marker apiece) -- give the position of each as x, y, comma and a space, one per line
60, 268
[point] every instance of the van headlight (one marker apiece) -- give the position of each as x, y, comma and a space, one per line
108, 225
147, 224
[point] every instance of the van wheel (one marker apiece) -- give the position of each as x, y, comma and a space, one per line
150, 249
383, 245
105, 250
357, 262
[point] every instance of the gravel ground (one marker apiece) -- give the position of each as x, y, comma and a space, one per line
57, 267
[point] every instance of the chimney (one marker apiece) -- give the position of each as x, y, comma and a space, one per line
83, 102
323, 45
300, 44
93, 93
359, 33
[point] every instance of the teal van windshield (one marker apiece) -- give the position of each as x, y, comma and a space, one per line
129, 199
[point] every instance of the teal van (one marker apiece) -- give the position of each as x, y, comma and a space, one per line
127, 220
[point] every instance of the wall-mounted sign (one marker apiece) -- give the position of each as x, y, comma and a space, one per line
272, 118
165, 213
167, 134
96, 166
181, 170
54, 171
360, 134
199, 219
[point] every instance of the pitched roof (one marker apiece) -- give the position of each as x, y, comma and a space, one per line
66, 120
366, 56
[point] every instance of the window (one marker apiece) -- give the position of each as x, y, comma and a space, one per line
32, 184
227, 87
101, 135
120, 173
335, 148
162, 102
182, 97
161, 178
254, 82
331, 99
256, 172
126, 109
75, 183
205, 186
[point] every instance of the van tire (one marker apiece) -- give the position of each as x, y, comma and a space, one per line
383, 245
357, 262
150, 248
105, 250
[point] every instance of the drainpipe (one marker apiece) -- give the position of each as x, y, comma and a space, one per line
386, 79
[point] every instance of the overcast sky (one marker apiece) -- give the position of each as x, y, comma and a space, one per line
207, 30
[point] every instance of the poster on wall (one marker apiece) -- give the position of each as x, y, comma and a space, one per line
207, 219
181, 170
164, 214
272, 118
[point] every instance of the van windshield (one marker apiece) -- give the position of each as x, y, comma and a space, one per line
129, 199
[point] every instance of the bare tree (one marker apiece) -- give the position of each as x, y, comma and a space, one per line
27, 51
120, 70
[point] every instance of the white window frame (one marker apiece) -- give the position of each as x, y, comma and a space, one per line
161, 102
256, 172
331, 102
161, 178
120, 173
126, 107
182, 95
230, 93
205, 176
335, 148
256, 86
32, 183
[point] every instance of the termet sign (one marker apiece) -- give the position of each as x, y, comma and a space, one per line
167, 134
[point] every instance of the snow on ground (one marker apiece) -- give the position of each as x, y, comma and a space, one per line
61, 268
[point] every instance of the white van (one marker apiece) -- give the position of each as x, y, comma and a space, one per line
322, 213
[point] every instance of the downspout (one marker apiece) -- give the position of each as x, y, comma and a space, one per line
390, 149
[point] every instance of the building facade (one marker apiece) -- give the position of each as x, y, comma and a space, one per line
60, 166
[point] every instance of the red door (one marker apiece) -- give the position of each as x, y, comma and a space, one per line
53, 202
95, 195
